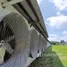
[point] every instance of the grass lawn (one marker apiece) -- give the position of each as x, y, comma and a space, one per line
54, 56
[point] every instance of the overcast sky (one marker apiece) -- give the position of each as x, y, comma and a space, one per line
55, 17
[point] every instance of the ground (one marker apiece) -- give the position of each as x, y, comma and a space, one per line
54, 56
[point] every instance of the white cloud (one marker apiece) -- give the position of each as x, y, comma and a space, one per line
39, 1
60, 4
54, 37
64, 38
59, 13
64, 32
58, 22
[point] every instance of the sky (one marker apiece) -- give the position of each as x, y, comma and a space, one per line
54, 13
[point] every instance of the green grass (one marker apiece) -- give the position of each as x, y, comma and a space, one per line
54, 56
62, 53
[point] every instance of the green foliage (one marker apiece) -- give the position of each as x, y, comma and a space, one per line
56, 43
58, 59
53, 43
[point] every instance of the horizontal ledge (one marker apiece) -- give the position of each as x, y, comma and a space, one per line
12, 2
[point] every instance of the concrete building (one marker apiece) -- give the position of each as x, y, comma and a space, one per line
23, 35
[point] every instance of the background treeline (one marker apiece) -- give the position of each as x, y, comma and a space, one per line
55, 43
